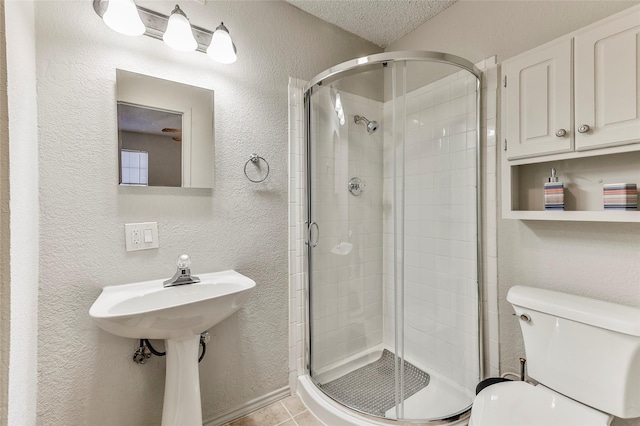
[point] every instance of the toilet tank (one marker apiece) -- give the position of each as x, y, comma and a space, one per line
586, 349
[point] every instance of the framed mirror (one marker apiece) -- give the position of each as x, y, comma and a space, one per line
165, 132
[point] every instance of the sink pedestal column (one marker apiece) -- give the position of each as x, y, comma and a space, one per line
182, 405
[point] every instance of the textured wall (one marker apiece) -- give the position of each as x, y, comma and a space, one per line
477, 29
591, 259
23, 206
5, 258
86, 375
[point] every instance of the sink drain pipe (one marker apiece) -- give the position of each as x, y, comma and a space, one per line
145, 350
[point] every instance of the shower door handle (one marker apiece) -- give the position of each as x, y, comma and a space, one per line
309, 242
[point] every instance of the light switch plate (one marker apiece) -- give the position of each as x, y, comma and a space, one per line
137, 236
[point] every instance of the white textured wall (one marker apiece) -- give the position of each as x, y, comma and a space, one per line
5, 258
86, 375
23, 206
591, 259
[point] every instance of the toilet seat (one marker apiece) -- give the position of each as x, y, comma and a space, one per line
522, 404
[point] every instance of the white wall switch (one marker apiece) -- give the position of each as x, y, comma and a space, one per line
141, 236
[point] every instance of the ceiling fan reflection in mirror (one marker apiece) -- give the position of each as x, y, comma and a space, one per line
178, 132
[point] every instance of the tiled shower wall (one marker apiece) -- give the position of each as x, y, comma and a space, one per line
297, 216
440, 228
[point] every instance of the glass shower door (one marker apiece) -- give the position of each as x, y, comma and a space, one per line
345, 176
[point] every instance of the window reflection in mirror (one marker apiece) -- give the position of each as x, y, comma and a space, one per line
165, 132
150, 145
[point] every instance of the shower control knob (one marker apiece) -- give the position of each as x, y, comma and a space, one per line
561, 133
355, 186
584, 128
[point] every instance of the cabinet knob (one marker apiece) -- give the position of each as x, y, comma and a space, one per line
584, 128
561, 133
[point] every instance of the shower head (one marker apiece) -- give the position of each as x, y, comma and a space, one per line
372, 126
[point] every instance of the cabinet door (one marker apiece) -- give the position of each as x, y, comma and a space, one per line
538, 102
607, 83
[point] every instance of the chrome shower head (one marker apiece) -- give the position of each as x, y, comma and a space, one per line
372, 126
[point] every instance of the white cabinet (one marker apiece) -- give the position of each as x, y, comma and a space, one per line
540, 91
607, 83
537, 102
574, 105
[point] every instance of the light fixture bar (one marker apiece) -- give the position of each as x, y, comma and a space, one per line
156, 24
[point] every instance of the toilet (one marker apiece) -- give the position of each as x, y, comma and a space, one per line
585, 355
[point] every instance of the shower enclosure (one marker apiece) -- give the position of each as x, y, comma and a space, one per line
393, 318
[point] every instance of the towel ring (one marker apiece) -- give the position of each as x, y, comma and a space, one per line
255, 158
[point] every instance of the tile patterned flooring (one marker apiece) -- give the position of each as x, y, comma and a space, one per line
289, 411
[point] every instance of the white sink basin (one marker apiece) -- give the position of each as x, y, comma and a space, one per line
149, 310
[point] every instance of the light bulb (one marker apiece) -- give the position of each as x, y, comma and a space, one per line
122, 16
222, 48
178, 34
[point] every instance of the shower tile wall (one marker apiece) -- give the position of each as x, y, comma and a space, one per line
440, 319
297, 216
346, 297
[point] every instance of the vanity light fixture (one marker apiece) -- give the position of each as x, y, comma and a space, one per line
222, 48
178, 34
218, 45
122, 16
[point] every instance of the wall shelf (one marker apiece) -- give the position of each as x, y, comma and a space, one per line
583, 175
584, 216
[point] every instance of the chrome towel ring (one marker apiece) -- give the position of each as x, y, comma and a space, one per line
255, 159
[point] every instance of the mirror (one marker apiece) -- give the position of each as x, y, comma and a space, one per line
165, 132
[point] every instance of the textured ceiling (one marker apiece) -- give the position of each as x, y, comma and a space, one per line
379, 21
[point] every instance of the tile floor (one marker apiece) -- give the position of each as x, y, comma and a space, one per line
286, 412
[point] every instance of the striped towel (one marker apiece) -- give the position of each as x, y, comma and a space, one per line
620, 196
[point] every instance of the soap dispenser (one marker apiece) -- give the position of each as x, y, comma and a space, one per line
553, 193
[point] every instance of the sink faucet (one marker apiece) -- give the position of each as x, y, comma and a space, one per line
183, 274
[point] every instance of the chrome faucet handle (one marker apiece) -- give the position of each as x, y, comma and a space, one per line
183, 273
184, 261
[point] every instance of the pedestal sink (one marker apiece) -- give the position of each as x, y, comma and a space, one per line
148, 310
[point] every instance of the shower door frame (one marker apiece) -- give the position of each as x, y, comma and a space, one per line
356, 66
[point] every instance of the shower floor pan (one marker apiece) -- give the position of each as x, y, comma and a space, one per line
439, 400
371, 389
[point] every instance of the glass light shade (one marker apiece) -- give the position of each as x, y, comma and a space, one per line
122, 16
222, 48
178, 34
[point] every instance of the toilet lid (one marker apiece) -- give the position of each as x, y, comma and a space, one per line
522, 404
